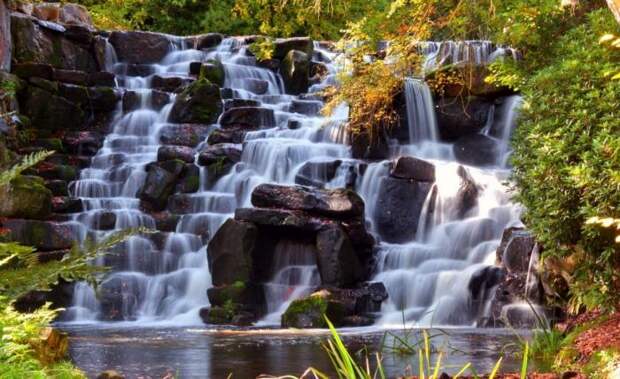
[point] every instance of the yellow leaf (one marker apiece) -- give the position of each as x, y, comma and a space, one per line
616, 77
606, 38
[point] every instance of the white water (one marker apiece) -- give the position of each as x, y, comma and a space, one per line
426, 278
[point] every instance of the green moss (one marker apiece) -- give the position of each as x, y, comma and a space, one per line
26, 197
213, 71
313, 307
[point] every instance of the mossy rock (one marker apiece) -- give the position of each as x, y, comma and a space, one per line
26, 197
235, 293
199, 103
213, 71
50, 112
310, 312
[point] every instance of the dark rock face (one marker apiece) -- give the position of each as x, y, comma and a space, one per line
199, 103
457, 118
412, 168
26, 197
213, 71
317, 173
230, 259
159, 183
183, 153
169, 83
248, 118
44, 235
118, 298
140, 47
467, 195
205, 41
52, 112
518, 250
219, 159
399, 207
306, 107
285, 45
65, 204
336, 203
476, 150
189, 135
295, 69
338, 264
5, 37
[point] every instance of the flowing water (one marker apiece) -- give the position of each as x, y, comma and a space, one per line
164, 278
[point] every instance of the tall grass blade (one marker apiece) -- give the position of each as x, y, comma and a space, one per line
496, 368
524, 364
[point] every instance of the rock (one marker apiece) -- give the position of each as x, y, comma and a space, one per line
467, 195
205, 41
159, 183
257, 86
110, 374
522, 316
310, 312
471, 81
140, 47
167, 153
65, 204
183, 135
131, 101
230, 252
235, 136
165, 221
25, 197
336, 259
306, 107
169, 83
219, 158
5, 36
50, 171
247, 296
190, 179
295, 70
43, 235
105, 79
102, 99
317, 173
34, 70
118, 297
34, 41
237, 103
57, 187
80, 34
104, 220
269, 64
199, 102
516, 255
75, 14
458, 117
506, 237
249, 118
280, 218
337, 203
71, 76
476, 150
47, 11
83, 142
213, 71
284, 45
484, 280
398, 209
50, 112
139, 70
364, 147
412, 168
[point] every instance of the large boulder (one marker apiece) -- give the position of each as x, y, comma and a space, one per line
189, 135
282, 46
517, 251
25, 197
43, 235
50, 112
171, 152
399, 207
5, 36
213, 71
230, 252
199, 103
310, 312
476, 150
249, 118
338, 264
337, 203
458, 117
295, 71
205, 41
35, 43
160, 183
140, 47
412, 168
317, 173
219, 158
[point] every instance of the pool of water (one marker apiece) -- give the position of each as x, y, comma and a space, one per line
202, 352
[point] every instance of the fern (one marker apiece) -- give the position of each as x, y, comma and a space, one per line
28, 161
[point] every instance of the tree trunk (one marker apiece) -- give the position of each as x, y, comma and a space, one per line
614, 6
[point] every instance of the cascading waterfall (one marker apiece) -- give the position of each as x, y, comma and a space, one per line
165, 277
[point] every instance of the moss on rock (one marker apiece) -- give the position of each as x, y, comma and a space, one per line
199, 103
310, 312
26, 197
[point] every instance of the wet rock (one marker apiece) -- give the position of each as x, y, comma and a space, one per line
189, 135
317, 173
484, 280
139, 70
280, 218
104, 220
467, 195
237, 103
205, 41
234, 136
131, 101
295, 70
219, 158
184, 153
337, 203
169, 83
43, 235
57, 187
472, 81
476, 150
34, 70
159, 183
83, 143
516, 255
102, 99
247, 296
140, 47
213, 71
399, 207
269, 64
165, 221
363, 147
80, 34
522, 316
310, 312
65, 204
306, 107
336, 259
189, 182
105, 79
25, 197
256, 86
249, 118
506, 237
293, 124
50, 112
110, 374
412, 168
71, 76
458, 117
75, 14
284, 45
199, 102
230, 252
57, 171
118, 297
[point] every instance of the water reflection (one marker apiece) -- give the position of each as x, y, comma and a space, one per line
213, 353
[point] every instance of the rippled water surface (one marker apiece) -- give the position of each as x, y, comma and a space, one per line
212, 353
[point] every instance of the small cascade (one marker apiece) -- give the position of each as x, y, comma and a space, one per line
420, 112
463, 52
295, 275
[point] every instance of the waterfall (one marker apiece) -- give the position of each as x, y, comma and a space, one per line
420, 111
